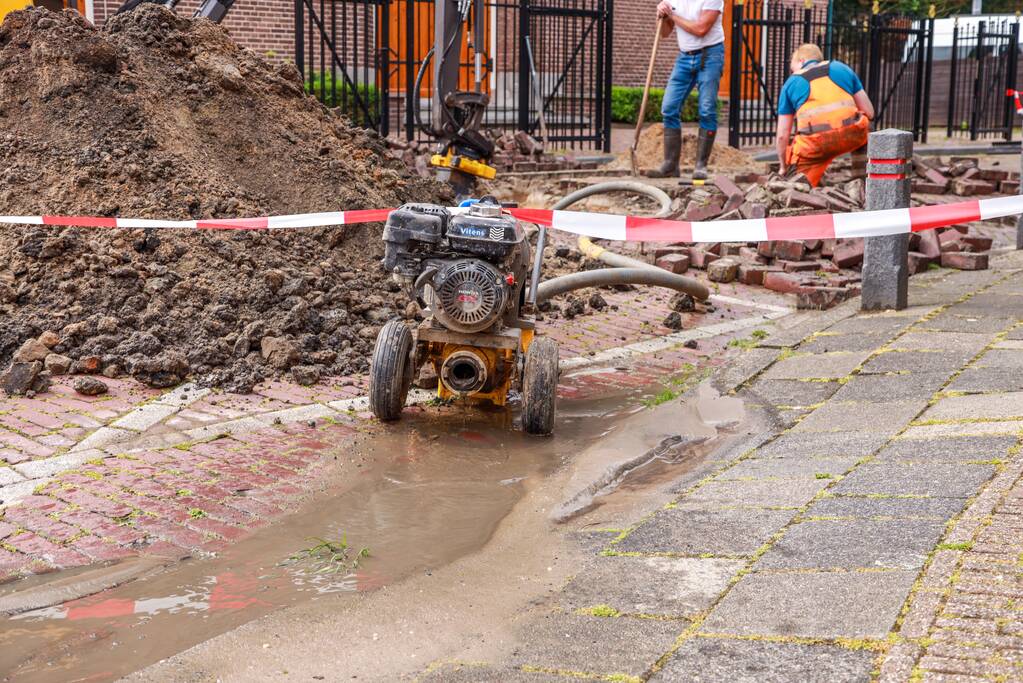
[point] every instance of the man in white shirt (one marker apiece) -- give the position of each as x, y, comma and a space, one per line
701, 59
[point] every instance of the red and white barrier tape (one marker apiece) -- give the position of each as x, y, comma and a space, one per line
1015, 94
622, 228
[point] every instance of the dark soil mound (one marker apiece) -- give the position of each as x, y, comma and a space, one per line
159, 116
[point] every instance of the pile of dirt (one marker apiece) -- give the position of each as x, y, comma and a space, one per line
650, 153
164, 117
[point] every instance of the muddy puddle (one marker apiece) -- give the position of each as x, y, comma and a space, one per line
434, 488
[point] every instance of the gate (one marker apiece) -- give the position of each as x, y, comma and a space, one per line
892, 55
898, 75
365, 57
983, 64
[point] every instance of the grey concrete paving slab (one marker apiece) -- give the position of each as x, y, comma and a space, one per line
474, 672
1011, 287
746, 365
732, 660
979, 379
1015, 333
789, 392
593, 541
965, 342
882, 418
664, 586
793, 329
891, 387
788, 417
951, 449
942, 431
868, 507
1001, 358
870, 324
696, 532
853, 544
978, 324
789, 468
600, 645
1001, 406
812, 604
849, 341
816, 365
991, 304
826, 444
756, 493
694, 474
915, 361
955, 480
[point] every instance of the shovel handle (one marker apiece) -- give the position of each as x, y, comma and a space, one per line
646, 88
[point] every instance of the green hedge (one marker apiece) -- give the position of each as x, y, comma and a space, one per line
625, 103
346, 101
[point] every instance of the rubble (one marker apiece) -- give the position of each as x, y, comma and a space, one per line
90, 386
158, 116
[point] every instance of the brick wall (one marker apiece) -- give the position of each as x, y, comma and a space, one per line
634, 24
262, 25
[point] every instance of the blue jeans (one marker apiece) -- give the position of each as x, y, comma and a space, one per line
686, 75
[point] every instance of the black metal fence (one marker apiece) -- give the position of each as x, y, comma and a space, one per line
891, 54
979, 69
363, 56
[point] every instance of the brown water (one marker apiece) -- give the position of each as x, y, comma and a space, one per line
434, 488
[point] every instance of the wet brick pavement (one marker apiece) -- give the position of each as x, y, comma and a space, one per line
172, 474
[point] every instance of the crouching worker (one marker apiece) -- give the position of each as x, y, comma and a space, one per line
701, 59
830, 109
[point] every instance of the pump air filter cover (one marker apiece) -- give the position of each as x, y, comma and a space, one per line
469, 295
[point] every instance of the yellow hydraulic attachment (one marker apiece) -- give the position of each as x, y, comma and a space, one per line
460, 163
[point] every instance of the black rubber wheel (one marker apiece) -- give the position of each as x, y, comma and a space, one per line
390, 372
540, 386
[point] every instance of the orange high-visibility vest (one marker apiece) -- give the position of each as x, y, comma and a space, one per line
828, 107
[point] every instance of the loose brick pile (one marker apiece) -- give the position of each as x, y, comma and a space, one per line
961, 176
823, 272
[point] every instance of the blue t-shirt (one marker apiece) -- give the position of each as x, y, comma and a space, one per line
796, 90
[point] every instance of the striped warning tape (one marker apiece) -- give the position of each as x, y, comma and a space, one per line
1015, 95
619, 227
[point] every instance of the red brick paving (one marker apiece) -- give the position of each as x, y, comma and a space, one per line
172, 502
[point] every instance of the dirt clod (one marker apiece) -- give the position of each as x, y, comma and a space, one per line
90, 386
158, 116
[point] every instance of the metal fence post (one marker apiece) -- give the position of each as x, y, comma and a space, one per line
300, 36
978, 83
735, 75
885, 266
383, 75
1019, 221
522, 82
1011, 74
953, 98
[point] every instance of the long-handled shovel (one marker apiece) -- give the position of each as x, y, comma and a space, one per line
646, 95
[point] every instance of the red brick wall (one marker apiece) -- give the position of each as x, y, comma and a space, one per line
262, 25
634, 25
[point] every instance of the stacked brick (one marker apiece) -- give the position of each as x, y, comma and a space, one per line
820, 272
962, 176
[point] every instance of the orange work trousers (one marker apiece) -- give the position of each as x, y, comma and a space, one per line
812, 154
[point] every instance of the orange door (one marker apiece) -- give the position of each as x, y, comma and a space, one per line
422, 41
